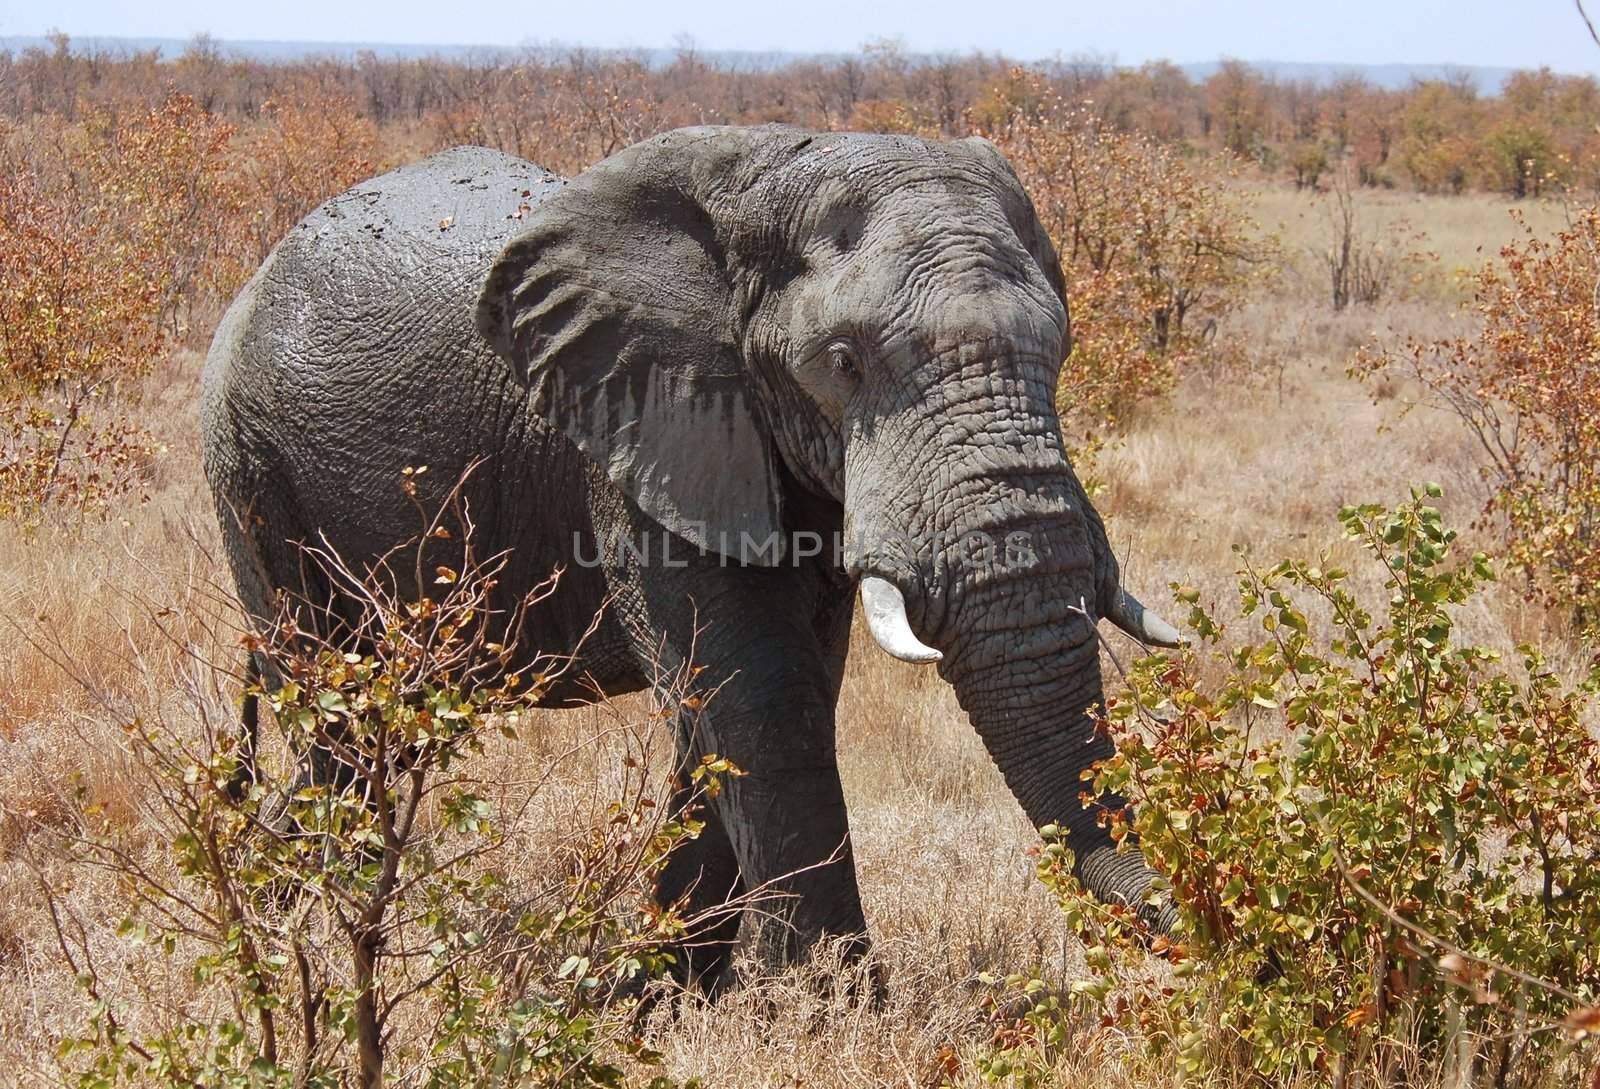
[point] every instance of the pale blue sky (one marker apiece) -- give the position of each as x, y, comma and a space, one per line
1507, 33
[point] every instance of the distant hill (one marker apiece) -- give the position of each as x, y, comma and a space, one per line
1391, 76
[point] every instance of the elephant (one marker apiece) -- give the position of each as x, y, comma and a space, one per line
729, 344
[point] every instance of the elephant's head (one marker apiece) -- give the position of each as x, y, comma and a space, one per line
718, 315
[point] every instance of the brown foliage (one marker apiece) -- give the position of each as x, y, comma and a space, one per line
303, 151
1526, 386
562, 115
564, 108
77, 312
1155, 249
120, 232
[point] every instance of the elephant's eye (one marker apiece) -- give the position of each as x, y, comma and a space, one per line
841, 360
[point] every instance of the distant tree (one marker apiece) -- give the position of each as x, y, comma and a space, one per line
1308, 159
1522, 158
1234, 96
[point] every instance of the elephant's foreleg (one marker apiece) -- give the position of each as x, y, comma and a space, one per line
765, 679
784, 814
794, 842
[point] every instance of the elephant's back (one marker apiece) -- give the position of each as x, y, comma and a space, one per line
414, 241
455, 203
375, 274
353, 353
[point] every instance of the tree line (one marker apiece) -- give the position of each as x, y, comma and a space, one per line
1435, 136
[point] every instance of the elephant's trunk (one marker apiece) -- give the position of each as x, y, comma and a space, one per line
976, 518
1030, 693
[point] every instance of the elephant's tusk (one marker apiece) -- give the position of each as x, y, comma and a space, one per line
886, 616
1139, 622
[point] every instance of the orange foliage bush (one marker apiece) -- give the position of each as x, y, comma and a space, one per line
1155, 250
77, 313
888, 115
119, 233
562, 116
1527, 387
156, 185
304, 151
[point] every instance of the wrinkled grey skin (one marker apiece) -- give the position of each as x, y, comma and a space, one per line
716, 331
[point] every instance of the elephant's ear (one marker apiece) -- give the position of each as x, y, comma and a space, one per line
616, 304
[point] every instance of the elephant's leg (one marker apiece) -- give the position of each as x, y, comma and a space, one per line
705, 871
702, 877
789, 828
832, 626
768, 686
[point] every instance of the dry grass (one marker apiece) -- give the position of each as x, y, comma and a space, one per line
1460, 232
948, 887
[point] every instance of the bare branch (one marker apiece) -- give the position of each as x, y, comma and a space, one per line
1587, 21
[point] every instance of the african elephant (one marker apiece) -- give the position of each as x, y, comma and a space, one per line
730, 344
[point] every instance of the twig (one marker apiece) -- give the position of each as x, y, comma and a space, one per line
1587, 22
1444, 943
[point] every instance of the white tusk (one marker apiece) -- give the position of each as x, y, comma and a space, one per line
886, 616
1139, 622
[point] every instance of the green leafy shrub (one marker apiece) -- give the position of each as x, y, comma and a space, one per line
1380, 838
352, 918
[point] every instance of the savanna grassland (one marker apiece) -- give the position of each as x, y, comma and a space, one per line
1250, 264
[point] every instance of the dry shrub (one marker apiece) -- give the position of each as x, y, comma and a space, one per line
888, 115
1526, 387
1437, 136
304, 150
121, 234
1366, 265
1156, 251
106, 236
157, 181
78, 313
563, 115
342, 902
